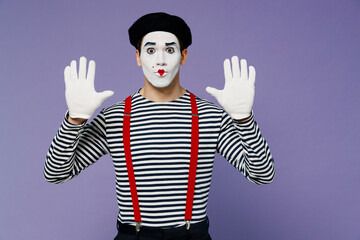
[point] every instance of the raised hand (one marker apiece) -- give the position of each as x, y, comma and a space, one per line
237, 97
81, 97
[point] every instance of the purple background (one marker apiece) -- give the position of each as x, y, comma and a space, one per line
306, 54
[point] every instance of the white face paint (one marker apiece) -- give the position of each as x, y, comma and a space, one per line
160, 58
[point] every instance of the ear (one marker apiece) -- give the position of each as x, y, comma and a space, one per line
138, 60
184, 54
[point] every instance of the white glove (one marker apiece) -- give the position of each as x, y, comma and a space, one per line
80, 94
237, 97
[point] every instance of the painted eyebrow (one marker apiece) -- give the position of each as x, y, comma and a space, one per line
154, 44
149, 43
169, 44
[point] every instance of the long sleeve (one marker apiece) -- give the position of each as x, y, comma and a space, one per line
74, 148
242, 144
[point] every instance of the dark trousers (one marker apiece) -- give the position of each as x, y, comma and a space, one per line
197, 231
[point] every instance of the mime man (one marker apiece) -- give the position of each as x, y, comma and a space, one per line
162, 138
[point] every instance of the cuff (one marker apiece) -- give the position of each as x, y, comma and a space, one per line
245, 123
71, 125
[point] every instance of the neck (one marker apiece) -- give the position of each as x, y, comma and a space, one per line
166, 94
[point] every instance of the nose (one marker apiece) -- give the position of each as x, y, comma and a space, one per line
160, 60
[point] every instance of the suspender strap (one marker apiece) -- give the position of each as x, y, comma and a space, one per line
193, 158
128, 158
192, 167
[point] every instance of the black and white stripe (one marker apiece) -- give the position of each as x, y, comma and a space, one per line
160, 148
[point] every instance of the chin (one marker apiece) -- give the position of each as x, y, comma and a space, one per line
160, 83
160, 86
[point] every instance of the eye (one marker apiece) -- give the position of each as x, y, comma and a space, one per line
150, 50
170, 50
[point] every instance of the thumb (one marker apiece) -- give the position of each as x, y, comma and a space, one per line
213, 91
105, 94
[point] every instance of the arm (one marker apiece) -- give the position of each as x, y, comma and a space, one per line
242, 144
74, 148
76, 145
240, 140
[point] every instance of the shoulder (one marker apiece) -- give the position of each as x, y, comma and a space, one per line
206, 105
115, 108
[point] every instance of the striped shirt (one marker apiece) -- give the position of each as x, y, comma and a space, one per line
160, 135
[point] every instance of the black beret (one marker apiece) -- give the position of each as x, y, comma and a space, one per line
160, 21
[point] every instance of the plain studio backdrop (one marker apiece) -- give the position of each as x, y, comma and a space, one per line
306, 55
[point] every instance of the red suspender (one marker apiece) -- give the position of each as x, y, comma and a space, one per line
192, 167
129, 164
193, 159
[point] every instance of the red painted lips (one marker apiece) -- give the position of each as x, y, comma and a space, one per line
161, 72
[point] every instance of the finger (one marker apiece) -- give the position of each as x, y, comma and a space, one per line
235, 67
67, 75
73, 73
82, 68
244, 70
227, 71
105, 94
252, 74
213, 92
91, 71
